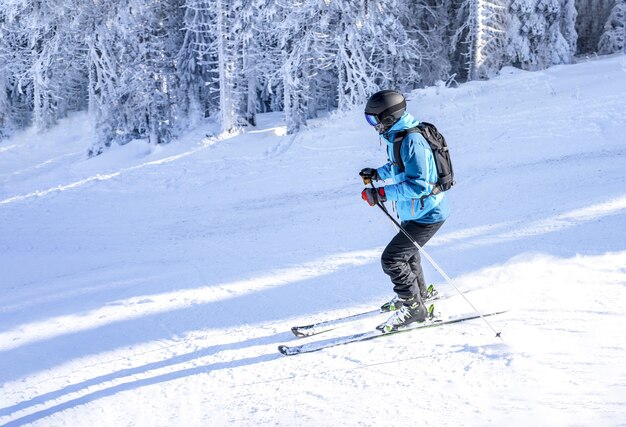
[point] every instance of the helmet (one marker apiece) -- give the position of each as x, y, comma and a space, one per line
384, 108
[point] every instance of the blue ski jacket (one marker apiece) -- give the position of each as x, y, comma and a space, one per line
416, 180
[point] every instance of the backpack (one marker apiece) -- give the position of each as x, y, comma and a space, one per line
441, 154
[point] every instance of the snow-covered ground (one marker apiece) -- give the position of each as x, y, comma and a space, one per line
151, 286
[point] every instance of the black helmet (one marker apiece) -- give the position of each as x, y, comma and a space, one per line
384, 108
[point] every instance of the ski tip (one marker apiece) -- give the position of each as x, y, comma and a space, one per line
296, 331
283, 349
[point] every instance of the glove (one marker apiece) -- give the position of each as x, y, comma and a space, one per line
374, 195
369, 174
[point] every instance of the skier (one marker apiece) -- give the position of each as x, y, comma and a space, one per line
421, 213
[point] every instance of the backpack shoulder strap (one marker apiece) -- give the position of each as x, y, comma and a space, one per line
397, 146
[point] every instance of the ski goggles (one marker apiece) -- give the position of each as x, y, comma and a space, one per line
372, 119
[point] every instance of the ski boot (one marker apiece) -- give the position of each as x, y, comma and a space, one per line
393, 305
429, 294
412, 310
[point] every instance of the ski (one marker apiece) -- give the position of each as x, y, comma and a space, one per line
329, 325
368, 335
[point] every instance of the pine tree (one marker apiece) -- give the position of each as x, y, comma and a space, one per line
486, 38
535, 40
568, 25
226, 63
161, 35
42, 23
197, 60
44, 76
16, 98
295, 39
426, 23
133, 79
590, 22
553, 48
612, 39
146, 69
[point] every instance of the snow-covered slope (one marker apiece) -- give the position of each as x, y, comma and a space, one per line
151, 286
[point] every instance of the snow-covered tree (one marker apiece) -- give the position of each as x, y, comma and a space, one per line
358, 47
268, 57
44, 71
133, 80
145, 69
41, 21
535, 38
345, 32
486, 37
427, 23
409, 47
232, 50
16, 98
297, 37
197, 59
568, 24
590, 22
248, 28
161, 37
227, 57
553, 48
612, 40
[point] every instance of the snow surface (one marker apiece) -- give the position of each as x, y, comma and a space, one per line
150, 286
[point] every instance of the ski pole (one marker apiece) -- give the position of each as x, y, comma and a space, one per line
434, 264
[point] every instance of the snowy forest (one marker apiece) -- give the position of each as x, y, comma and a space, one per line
149, 69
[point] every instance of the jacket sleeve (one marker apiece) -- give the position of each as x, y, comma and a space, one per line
384, 172
419, 167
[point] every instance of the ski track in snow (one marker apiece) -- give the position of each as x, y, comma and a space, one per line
152, 285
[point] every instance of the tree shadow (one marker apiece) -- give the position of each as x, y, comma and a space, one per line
132, 385
274, 304
342, 288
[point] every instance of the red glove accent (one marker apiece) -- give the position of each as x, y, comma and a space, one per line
365, 196
373, 196
381, 194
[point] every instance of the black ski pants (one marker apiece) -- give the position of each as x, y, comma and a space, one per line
401, 259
